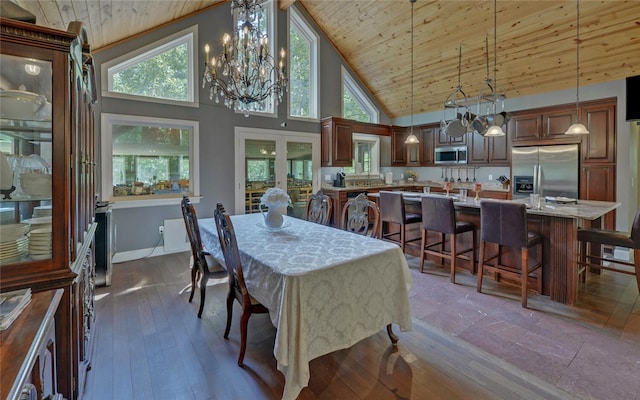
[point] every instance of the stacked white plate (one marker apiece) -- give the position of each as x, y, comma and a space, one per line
14, 244
41, 211
38, 223
7, 215
40, 247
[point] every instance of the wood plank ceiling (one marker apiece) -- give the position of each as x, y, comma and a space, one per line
536, 46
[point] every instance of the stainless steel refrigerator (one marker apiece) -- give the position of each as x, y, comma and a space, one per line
546, 170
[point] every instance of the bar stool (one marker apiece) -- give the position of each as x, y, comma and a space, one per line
439, 215
590, 236
392, 211
505, 224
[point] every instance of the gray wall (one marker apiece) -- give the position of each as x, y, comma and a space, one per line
137, 228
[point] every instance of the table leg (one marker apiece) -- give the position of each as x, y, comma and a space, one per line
392, 336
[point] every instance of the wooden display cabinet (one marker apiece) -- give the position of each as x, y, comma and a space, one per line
51, 147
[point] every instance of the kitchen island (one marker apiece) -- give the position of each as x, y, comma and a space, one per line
558, 224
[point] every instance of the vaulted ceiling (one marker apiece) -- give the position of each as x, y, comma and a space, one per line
536, 41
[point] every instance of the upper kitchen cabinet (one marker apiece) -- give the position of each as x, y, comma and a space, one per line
429, 133
398, 148
337, 139
442, 139
47, 179
413, 155
489, 150
599, 146
336, 143
547, 125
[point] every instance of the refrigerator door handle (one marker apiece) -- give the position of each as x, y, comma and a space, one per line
535, 179
539, 183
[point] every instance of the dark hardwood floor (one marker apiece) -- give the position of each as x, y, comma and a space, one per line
149, 343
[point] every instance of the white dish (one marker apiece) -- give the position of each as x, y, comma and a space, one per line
285, 225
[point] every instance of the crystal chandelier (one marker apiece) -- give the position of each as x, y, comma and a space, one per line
245, 75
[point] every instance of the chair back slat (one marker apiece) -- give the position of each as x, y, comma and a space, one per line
361, 215
635, 231
230, 251
504, 223
438, 214
191, 225
319, 208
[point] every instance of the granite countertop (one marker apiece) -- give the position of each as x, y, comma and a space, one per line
583, 209
419, 184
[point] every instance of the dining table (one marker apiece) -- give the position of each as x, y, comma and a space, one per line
325, 288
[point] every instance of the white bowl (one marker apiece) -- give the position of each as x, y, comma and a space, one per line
36, 184
20, 104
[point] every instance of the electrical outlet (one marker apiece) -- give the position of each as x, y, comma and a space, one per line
490, 177
161, 229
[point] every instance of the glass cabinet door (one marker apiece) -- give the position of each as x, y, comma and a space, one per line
25, 160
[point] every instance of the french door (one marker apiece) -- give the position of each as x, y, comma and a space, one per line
270, 158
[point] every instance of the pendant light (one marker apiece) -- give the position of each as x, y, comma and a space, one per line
412, 139
495, 130
577, 128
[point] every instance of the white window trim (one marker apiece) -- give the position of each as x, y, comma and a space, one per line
107, 122
189, 36
359, 95
375, 150
297, 20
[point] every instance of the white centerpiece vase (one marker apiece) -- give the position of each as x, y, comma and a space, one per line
276, 201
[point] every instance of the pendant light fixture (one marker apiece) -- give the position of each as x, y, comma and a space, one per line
577, 128
495, 130
412, 139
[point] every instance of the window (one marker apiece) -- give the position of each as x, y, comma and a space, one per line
303, 68
355, 104
163, 71
366, 155
148, 161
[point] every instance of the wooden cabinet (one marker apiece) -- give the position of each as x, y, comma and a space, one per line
28, 349
525, 126
398, 148
597, 182
489, 150
51, 146
599, 146
413, 155
336, 142
556, 121
442, 139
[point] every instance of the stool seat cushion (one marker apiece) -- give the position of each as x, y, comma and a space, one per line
533, 238
411, 218
464, 227
605, 236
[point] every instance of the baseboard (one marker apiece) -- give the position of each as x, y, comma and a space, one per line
141, 253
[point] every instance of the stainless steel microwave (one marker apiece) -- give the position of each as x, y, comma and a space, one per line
451, 155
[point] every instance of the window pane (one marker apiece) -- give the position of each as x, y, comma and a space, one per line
353, 109
150, 160
164, 75
300, 56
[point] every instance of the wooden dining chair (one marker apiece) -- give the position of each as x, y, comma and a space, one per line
203, 265
237, 287
361, 215
319, 208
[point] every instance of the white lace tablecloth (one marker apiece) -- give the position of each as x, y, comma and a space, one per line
326, 289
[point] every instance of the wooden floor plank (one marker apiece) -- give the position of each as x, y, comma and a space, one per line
150, 344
